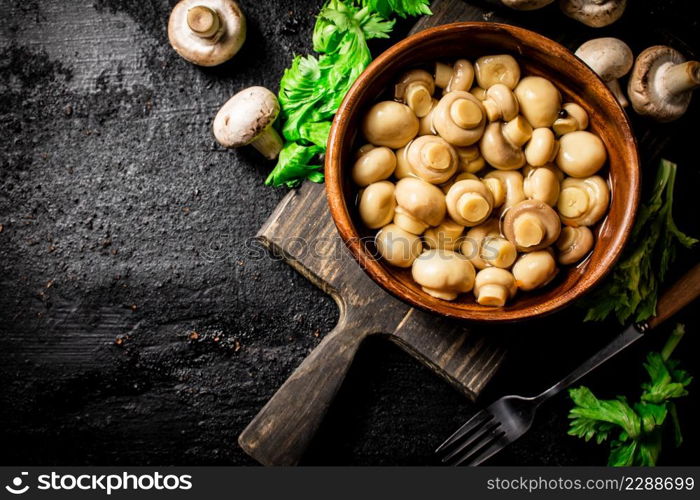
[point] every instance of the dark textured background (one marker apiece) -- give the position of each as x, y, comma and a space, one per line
135, 328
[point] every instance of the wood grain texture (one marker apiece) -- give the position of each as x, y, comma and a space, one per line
465, 359
134, 155
301, 232
682, 293
537, 55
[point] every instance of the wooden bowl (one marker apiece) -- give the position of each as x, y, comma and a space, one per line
537, 55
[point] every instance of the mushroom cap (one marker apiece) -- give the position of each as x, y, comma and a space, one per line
594, 13
542, 147
408, 222
494, 286
204, 51
469, 202
574, 118
399, 247
574, 243
442, 74
462, 176
365, 148
425, 123
610, 58
534, 270
582, 202
443, 273
462, 76
446, 235
474, 239
509, 189
478, 92
390, 124
470, 159
375, 165
501, 103
646, 89
432, 158
459, 118
403, 168
542, 183
581, 153
377, 204
415, 88
245, 116
497, 251
498, 151
526, 214
540, 101
422, 200
501, 68
413, 76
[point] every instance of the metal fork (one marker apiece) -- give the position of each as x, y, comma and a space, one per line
505, 420
494, 428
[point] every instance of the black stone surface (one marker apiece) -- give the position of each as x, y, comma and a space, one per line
137, 326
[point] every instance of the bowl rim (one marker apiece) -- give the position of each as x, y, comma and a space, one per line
343, 221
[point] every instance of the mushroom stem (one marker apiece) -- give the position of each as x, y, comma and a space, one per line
493, 295
614, 86
683, 77
472, 207
203, 21
269, 143
443, 73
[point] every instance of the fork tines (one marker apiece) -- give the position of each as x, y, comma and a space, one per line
478, 439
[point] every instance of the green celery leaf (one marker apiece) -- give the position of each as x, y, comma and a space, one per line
648, 449
678, 375
587, 409
677, 434
315, 132
663, 386
652, 415
622, 454
312, 88
294, 165
376, 27
632, 289
640, 428
402, 8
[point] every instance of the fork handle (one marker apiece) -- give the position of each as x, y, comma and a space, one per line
682, 293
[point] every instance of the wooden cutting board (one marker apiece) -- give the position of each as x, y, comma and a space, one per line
302, 232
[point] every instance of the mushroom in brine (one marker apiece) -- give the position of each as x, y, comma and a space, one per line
390, 124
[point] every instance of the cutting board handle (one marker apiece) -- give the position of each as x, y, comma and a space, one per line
283, 429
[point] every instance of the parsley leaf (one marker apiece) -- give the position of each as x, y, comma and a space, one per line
313, 87
635, 432
631, 291
598, 417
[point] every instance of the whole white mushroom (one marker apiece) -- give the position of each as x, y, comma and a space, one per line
207, 32
610, 58
594, 13
247, 118
662, 83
